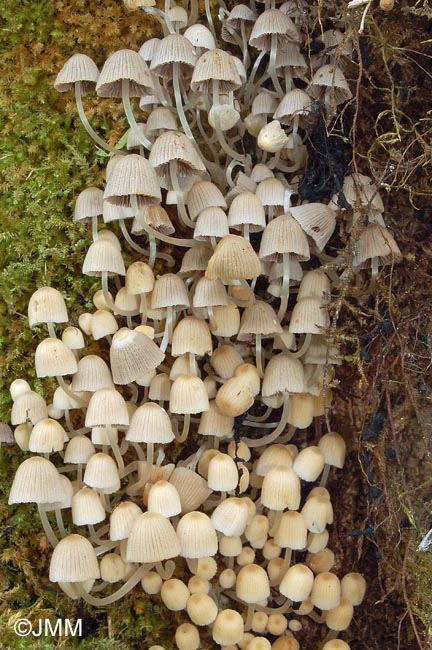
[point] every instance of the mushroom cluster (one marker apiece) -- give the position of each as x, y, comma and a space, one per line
180, 446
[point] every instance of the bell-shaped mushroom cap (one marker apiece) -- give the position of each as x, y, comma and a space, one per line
213, 423
191, 335
101, 473
252, 584
47, 436
330, 76
139, 278
73, 560
170, 291
132, 355
122, 519
284, 235
283, 374
202, 195
200, 36
234, 397
273, 22
246, 208
79, 450
152, 539
233, 259
150, 423
92, 374
37, 481
259, 318
222, 473
375, 241
106, 406
210, 293
309, 463
211, 222
79, 67
281, 489
174, 147
228, 627
309, 316
295, 102
88, 204
161, 119
28, 406
292, 532
326, 591
192, 488
47, 305
103, 256
297, 583
174, 48
133, 175
164, 499
333, 447
188, 395
197, 535
231, 516
53, 358
215, 65
87, 508
124, 64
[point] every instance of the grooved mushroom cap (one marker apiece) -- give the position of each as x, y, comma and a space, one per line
47, 305
79, 67
37, 481
106, 406
133, 175
170, 291
204, 194
283, 374
47, 436
375, 241
139, 278
124, 64
281, 489
333, 447
28, 406
197, 535
122, 519
150, 423
222, 473
87, 507
152, 539
326, 591
273, 22
188, 395
164, 499
234, 397
173, 147
53, 358
132, 355
283, 235
309, 316
233, 259
73, 560
174, 48
317, 220
92, 375
231, 516
101, 473
192, 488
330, 76
103, 256
192, 335
79, 450
88, 204
215, 65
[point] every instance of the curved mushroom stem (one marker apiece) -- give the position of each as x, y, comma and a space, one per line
325, 475
331, 634
87, 126
115, 448
59, 521
82, 402
304, 348
272, 67
47, 526
249, 616
109, 301
250, 85
181, 210
260, 418
259, 355
51, 330
192, 564
124, 589
186, 424
245, 160
271, 437
210, 19
130, 241
165, 572
167, 335
284, 292
130, 116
